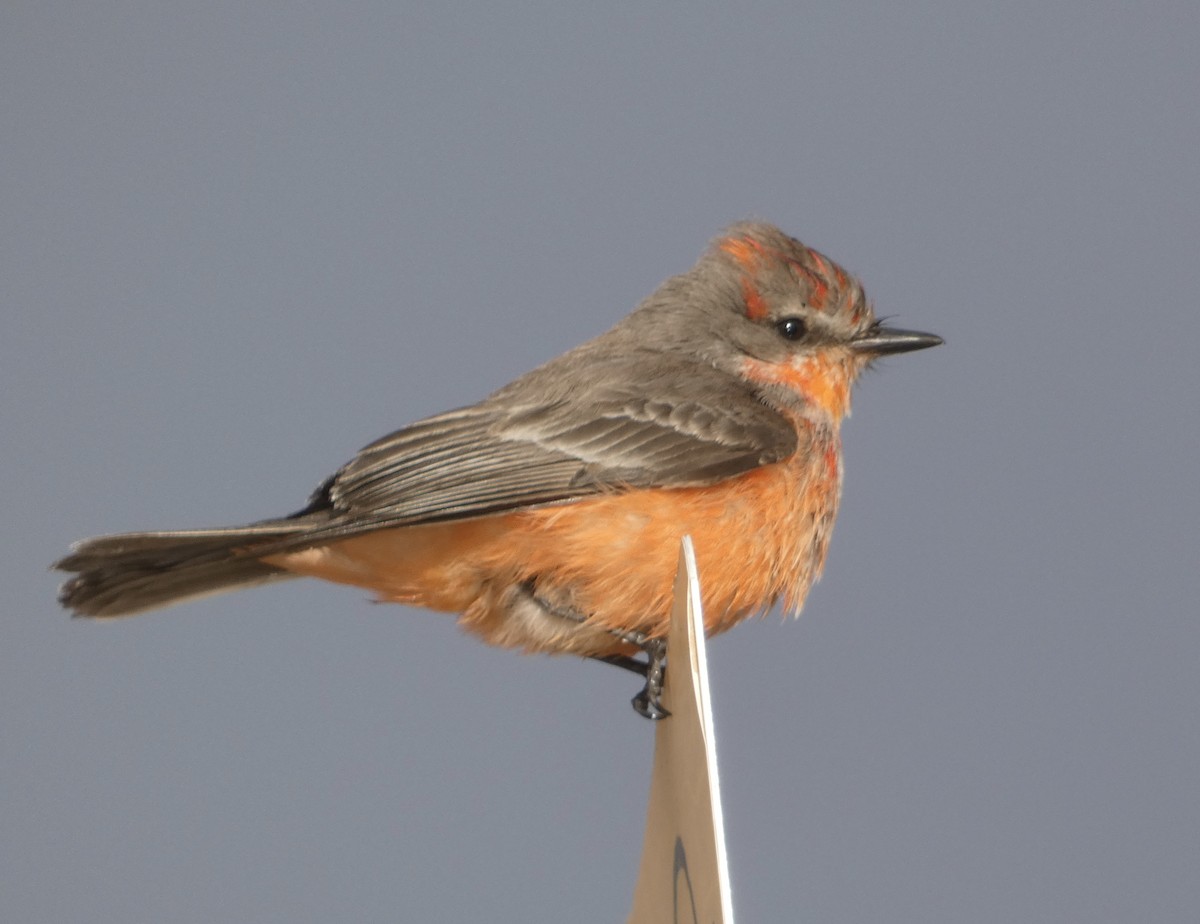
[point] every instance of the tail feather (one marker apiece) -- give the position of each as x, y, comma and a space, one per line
134, 572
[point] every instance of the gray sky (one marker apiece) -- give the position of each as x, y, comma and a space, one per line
238, 241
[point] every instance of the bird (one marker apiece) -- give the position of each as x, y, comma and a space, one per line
548, 515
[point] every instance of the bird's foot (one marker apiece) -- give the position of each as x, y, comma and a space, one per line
648, 702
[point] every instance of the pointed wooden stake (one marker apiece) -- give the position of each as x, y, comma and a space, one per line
684, 876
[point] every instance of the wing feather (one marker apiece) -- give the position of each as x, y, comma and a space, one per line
509, 452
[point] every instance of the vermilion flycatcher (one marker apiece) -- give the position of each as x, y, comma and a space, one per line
550, 513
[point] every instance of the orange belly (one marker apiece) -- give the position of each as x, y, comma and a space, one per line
758, 537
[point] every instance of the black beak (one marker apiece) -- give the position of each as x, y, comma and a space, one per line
879, 341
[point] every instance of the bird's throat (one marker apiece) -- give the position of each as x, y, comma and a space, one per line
821, 380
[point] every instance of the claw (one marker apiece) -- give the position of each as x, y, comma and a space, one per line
648, 707
646, 704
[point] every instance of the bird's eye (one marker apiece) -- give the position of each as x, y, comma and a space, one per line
791, 328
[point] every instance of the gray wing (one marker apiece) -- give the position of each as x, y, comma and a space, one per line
509, 452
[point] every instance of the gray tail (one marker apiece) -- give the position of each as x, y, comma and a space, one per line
134, 572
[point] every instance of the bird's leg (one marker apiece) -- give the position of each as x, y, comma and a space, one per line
647, 702
625, 662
